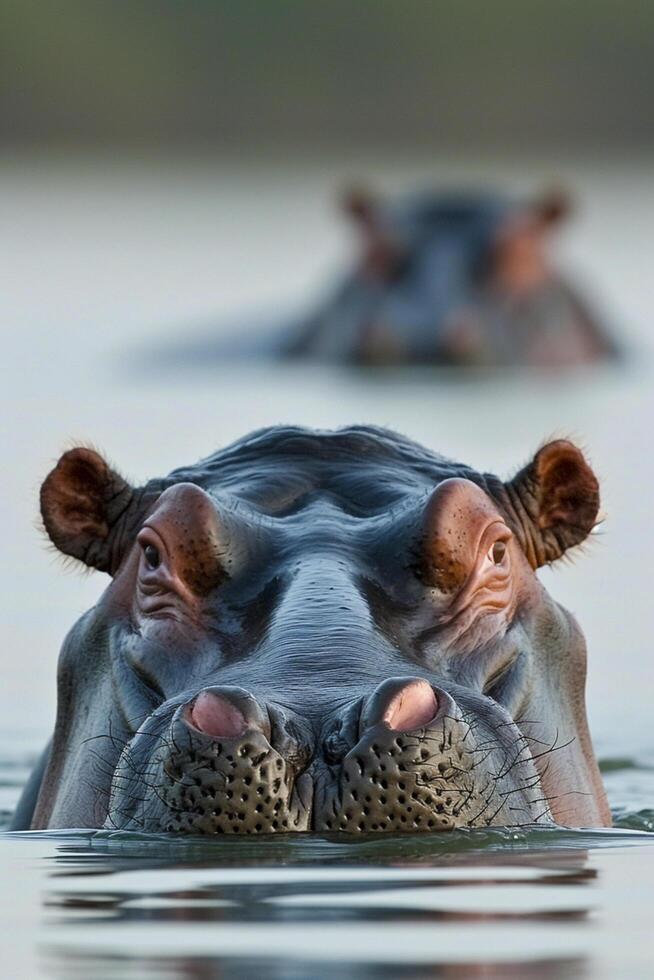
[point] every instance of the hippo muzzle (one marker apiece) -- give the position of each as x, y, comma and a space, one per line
408, 758
320, 632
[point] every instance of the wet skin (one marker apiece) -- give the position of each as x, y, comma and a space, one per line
317, 630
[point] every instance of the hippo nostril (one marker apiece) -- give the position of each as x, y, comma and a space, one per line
403, 704
214, 715
412, 707
226, 712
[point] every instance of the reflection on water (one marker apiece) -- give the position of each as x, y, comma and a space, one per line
465, 904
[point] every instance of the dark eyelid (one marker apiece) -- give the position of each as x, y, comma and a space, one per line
148, 536
494, 532
494, 580
151, 555
498, 558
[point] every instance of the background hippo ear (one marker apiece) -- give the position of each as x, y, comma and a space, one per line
360, 203
552, 206
381, 252
556, 501
83, 504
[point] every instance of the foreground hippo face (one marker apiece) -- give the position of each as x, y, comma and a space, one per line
328, 631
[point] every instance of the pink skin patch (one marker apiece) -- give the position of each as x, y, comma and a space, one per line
413, 707
215, 715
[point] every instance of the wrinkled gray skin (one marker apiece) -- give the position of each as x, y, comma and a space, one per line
320, 631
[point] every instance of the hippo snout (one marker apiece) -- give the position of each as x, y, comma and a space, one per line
404, 758
232, 764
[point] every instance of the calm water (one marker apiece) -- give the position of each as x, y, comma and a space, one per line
102, 258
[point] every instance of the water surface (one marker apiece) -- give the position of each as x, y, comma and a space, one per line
484, 903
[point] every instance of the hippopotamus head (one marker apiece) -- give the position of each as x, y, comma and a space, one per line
455, 278
321, 631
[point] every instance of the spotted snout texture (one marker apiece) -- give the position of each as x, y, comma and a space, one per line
407, 782
455, 772
240, 786
436, 778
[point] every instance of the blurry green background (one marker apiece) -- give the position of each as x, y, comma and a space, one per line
452, 75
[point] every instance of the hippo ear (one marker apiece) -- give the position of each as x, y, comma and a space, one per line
83, 504
551, 207
360, 203
556, 500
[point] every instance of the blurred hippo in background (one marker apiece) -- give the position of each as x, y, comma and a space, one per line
441, 279
328, 631
454, 279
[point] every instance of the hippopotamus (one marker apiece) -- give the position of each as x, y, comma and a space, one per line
320, 631
458, 278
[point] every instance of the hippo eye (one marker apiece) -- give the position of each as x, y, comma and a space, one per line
497, 552
152, 556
